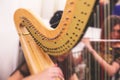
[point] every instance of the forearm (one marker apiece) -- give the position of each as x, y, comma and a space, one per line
74, 77
109, 68
29, 78
16, 76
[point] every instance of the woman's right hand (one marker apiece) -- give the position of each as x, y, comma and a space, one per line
51, 73
87, 43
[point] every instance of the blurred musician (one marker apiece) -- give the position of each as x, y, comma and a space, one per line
111, 33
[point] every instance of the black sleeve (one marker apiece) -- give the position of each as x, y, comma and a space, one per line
117, 55
55, 19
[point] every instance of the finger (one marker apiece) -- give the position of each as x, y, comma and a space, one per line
58, 76
61, 77
58, 71
56, 65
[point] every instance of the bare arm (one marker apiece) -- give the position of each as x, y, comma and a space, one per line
16, 76
74, 77
50, 73
111, 69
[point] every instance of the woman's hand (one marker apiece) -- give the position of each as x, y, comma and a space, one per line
87, 43
52, 73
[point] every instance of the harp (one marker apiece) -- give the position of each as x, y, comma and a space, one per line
37, 41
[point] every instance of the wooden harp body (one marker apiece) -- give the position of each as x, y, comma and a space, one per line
38, 41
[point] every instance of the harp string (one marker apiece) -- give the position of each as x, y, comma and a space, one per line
106, 34
96, 44
107, 30
100, 16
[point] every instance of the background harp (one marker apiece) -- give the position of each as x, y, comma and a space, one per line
37, 40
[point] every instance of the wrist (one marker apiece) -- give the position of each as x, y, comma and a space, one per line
16, 76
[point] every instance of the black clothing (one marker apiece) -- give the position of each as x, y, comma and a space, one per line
67, 66
54, 21
116, 52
